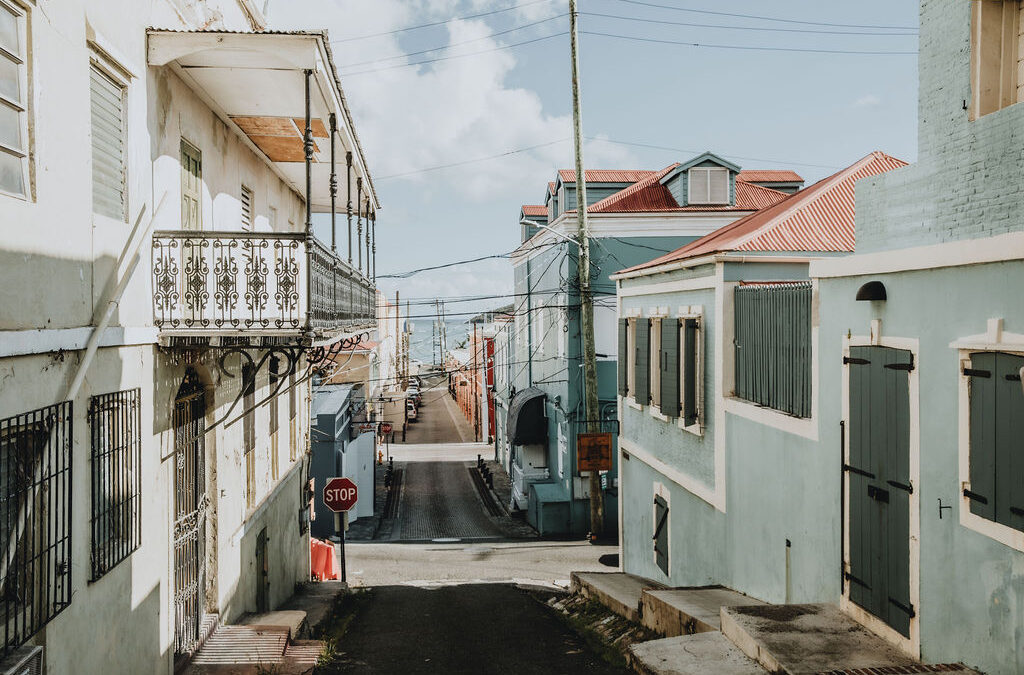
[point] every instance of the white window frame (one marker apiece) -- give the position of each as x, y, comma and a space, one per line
707, 172
22, 107
118, 75
693, 312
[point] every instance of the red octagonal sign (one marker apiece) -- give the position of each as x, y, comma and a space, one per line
340, 494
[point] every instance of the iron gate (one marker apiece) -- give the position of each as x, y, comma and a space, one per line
189, 512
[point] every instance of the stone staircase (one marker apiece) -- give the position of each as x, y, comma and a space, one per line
259, 643
717, 631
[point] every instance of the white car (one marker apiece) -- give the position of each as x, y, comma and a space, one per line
410, 408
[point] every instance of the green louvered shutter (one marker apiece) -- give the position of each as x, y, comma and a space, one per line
669, 364
983, 443
661, 533
642, 370
1009, 441
623, 357
690, 370
108, 152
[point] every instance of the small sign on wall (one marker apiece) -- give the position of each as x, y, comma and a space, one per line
594, 452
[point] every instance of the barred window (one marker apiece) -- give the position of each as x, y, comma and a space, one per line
35, 520
114, 420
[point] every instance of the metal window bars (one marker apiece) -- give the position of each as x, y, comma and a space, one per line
35, 520
114, 421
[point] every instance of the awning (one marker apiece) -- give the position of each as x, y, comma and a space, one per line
255, 82
527, 423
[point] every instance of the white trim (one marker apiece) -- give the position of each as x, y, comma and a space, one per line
911, 645
699, 283
991, 341
726, 256
655, 412
43, 341
999, 248
806, 427
657, 312
688, 483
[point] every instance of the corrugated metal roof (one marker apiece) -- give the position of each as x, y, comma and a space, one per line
605, 175
817, 219
769, 176
535, 210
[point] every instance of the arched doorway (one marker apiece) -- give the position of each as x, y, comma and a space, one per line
190, 501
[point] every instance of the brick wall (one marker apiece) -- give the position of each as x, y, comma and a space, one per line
967, 181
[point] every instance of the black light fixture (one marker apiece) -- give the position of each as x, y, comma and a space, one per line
872, 290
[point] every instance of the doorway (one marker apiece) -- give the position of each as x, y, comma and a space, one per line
262, 573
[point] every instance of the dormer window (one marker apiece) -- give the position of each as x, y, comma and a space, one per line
708, 185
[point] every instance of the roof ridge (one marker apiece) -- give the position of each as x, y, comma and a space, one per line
632, 189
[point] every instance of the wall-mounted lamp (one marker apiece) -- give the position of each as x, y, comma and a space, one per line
872, 290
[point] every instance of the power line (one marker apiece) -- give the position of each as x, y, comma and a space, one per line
405, 275
767, 18
438, 23
695, 152
456, 56
810, 31
704, 45
456, 44
471, 161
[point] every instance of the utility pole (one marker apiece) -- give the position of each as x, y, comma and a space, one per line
476, 393
590, 402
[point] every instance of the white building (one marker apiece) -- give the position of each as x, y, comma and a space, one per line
161, 302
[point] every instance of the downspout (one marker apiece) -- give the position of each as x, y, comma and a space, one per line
348, 209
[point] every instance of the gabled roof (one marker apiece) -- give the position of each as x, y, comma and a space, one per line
817, 219
708, 157
650, 195
769, 176
605, 175
535, 210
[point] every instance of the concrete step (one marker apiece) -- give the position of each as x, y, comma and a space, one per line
617, 591
815, 639
240, 649
684, 611
292, 619
700, 654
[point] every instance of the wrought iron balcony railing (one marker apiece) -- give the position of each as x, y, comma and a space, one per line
255, 284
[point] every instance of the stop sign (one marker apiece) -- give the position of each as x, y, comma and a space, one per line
340, 494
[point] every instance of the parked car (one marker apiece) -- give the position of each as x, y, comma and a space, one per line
410, 408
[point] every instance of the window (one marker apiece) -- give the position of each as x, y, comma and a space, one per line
116, 478
772, 345
35, 521
996, 55
996, 489
626, 359
249, 432
641, 385
246, 208
109, 173
191, 187
274, 383
13, 101
680, 369
293, 422
655, 363
708, 185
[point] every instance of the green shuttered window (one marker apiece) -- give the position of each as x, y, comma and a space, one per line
623, 364
670, 367
997, 438
642, 395
691, 371
773, 346
109, 178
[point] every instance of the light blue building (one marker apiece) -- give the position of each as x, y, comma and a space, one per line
894, 486
633, 217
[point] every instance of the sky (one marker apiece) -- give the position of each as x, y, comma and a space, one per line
458, 142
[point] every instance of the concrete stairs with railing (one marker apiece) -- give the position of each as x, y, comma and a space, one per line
259, 643
717, 631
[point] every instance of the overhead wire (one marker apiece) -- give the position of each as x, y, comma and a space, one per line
765, 18
705, 45
810, 31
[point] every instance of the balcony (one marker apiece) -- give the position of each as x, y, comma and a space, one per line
258, 287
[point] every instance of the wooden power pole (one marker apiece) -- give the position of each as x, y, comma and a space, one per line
590, 403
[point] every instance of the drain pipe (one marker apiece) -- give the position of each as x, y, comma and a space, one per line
76, 384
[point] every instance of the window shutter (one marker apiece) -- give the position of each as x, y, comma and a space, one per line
108, 169
670, 367
983, 446
623, 358
246, 208
641, 373
690, 370
1008, 435
661, 533
718, 186
698, 186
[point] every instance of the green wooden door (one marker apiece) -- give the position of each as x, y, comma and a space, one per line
879, 485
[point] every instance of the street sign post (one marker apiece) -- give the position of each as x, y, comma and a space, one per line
340, 495
594, 452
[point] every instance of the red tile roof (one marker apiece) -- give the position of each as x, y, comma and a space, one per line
605, 175
769, 176
535, 210
649, 195
819, 218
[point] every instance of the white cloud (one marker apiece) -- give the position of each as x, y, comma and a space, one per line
868, 100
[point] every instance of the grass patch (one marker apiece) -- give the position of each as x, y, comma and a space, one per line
333, 628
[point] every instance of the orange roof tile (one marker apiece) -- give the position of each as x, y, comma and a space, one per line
769, 176
535, 210
819, 218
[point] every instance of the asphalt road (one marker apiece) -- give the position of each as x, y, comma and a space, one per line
438, 419
479, 628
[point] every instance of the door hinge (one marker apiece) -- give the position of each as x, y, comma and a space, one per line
901, 486
974, 496
908, 609
901, 366
851, 360
862, 472
850, 577
974, 372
